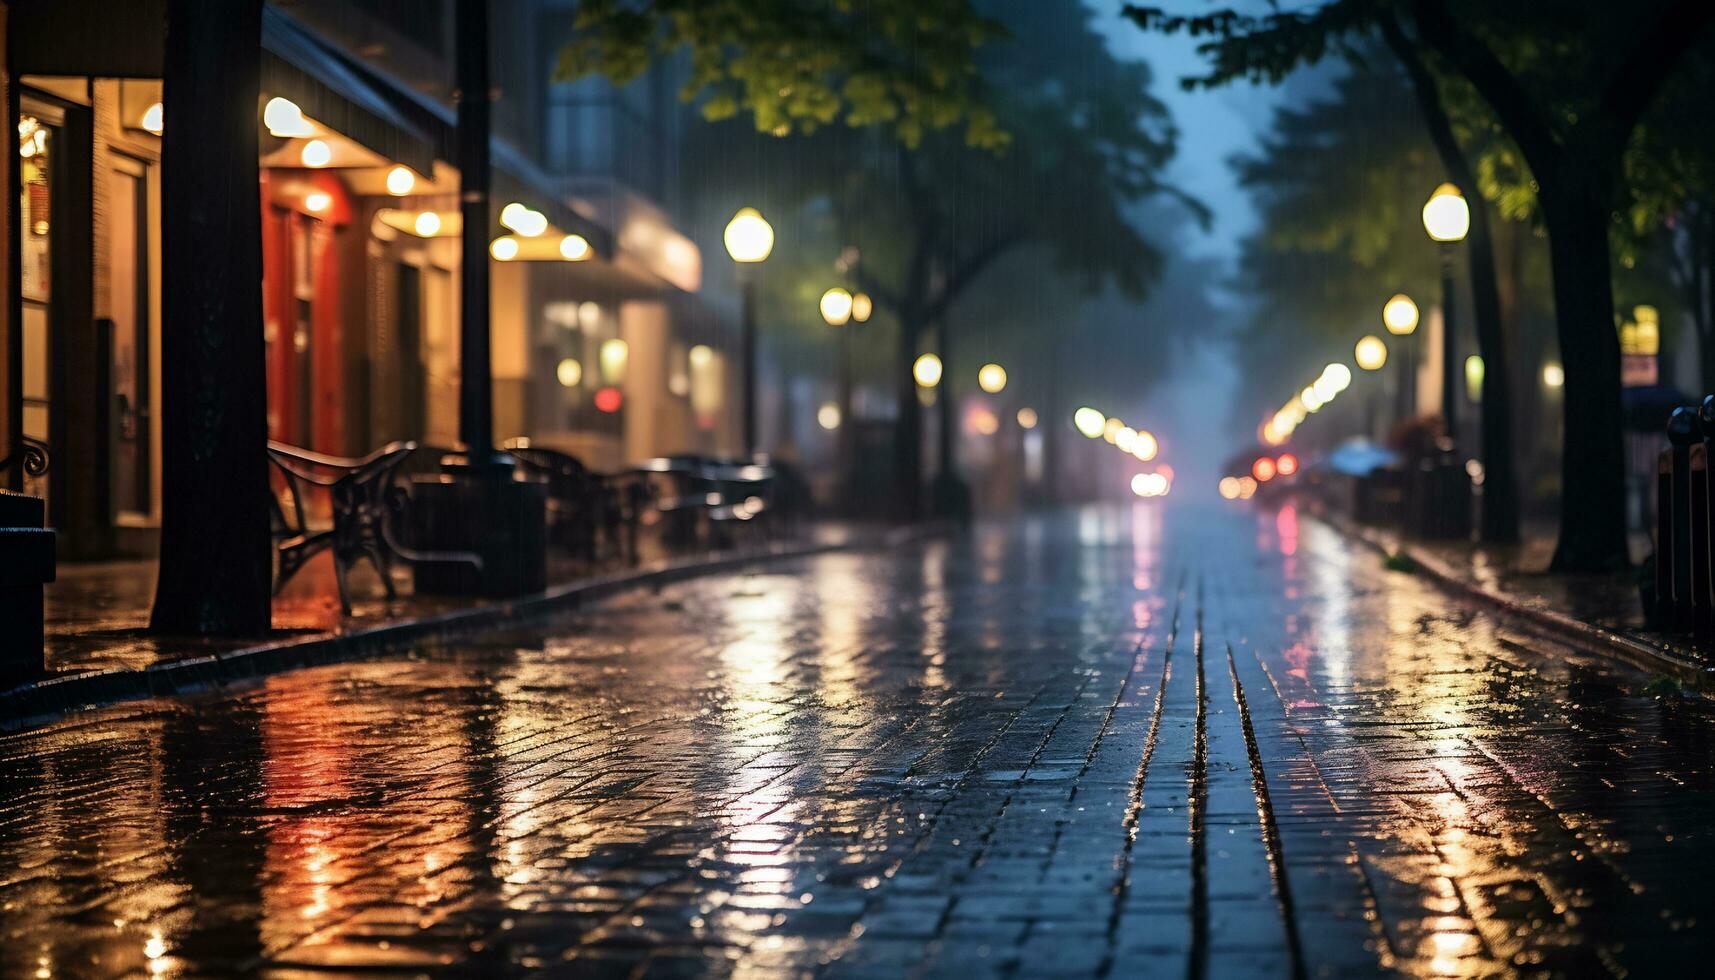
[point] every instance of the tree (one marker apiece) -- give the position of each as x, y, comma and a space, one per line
932, 211
1569, 81
1337, 185
1500, 520
797, 66
214, 571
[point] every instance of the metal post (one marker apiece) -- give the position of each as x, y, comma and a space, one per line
476, 386
846, 436
747, 290
1449, 349
1406, 397
948, 408
477, 508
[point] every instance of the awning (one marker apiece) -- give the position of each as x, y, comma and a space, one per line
300, 66
514, 177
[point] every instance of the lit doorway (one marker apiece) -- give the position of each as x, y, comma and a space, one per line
131, 437
40, 192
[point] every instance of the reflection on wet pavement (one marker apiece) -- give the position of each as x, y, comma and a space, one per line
1123, 743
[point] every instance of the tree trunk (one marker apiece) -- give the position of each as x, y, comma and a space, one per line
1500, 478
908, 428
1500, 489
215, 568
1698, 245
1592, 468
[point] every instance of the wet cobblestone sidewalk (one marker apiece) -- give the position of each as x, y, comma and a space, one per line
1120, 744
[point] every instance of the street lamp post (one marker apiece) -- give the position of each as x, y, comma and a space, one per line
839, 308
1399, 315
1370, 355
477, 505
749, 238
1446, 217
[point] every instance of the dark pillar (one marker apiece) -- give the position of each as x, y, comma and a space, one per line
1449, 350
79, 484
215, 568
747, 287
11, 340
951, 496
476, 382
949, 408
477, 507
846, 436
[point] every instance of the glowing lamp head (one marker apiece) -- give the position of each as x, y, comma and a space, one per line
1125, 440
316, 153
1145, 446
317, 201
1263, 469
427, 225
1149, 485
1286, 464
828, 416
1446, 216
1027, 418
836, 307
1474, 372
1229, 487
1553, 375
1338, 377
522, 220
748, 236
615, 356
1400, 315
1371, 353
609, 400
401, 181
569, 373
154, 118
285, 120
504, 248
1647, 338
574, 248
927, 371
862, 307
1089, 422
991, 378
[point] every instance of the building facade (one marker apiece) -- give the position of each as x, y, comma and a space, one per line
600, 341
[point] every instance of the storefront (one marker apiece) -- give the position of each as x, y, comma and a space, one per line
597, 342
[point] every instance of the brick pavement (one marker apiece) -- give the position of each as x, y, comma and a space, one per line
1104, 745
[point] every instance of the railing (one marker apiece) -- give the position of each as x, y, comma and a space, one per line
31, 457
1681, 593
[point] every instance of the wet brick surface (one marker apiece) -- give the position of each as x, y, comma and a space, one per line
1117, 743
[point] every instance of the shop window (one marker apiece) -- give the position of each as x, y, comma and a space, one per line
35, 254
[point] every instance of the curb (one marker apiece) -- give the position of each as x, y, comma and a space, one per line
1588, 637
37, 703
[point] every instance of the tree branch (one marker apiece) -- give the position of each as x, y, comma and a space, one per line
967, 272
1504, 92
1424, 87
882, 295
1650, 62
